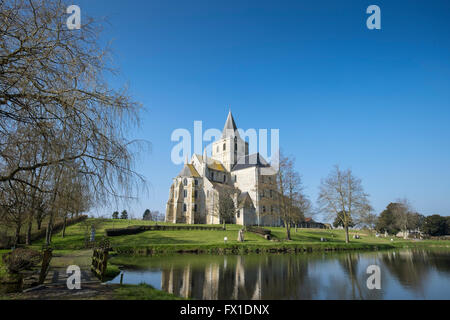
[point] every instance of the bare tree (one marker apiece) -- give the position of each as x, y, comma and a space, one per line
286, 199
404, 217
63, 144
52, 82
341, 195
225, 207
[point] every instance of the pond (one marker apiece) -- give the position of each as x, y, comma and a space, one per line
404, 274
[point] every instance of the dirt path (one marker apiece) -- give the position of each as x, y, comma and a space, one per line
90, 291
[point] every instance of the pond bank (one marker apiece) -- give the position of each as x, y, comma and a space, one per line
93, 292
283, 247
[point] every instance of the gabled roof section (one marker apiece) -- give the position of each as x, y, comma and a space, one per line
245, 201
252, 160
211, 163
230, 128
189, 171
216, 165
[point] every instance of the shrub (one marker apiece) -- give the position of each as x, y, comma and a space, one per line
21, 259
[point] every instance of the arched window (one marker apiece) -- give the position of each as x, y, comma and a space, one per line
185, 181
224, 147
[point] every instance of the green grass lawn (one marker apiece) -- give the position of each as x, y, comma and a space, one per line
192, 239
3, 271
142, 292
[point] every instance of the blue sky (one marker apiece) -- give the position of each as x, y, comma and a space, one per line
376, 101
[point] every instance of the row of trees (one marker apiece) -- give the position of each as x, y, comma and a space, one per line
343, 200
148, 215
63, 145
400, 217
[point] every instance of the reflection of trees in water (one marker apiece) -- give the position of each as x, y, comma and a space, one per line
353, 285
334, 276
409, 267
440, 260
241, 277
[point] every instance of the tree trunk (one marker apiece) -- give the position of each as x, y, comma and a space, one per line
39, 222
346, 235
17, 234
30, 225
64, 227
288, 231
48, 236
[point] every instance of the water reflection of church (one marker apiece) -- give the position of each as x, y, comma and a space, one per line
204, 283
231, 280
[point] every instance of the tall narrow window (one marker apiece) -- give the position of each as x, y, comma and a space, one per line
224, 147
185, 181
185, 193
184, 207
195, 194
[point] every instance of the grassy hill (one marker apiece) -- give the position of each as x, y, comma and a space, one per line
210, 240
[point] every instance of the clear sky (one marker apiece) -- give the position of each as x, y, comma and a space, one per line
376, 101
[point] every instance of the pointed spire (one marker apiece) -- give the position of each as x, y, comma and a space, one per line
230, 127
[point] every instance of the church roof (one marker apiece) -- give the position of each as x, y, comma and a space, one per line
212, 164
216, 165
189, 171
230, 128
252, 160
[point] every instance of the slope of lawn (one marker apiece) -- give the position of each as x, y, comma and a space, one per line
207, 239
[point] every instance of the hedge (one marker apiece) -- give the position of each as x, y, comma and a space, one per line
261, 231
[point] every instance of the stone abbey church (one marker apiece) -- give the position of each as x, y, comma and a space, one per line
229, 172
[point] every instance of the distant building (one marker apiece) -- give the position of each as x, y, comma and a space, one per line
196, 191
310, 223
